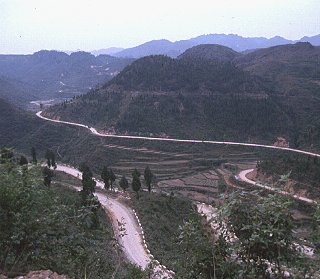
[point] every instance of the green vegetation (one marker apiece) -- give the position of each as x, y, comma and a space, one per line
49, 228
255, 240
304, 170
148, 177
136, 183
161, 216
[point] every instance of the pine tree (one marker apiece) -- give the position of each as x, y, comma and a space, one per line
105, 176
34, 155
136, 184
148, 177
88, 183
112, 178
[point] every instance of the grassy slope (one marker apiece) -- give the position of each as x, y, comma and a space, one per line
161, 217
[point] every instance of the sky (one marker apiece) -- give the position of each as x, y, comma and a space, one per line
27, 26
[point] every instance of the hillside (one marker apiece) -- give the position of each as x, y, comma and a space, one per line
299, 60
14, 123
53, 74
16, 91
233, 41
256, 97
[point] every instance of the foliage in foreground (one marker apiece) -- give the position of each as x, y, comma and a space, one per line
254, 240
45, 227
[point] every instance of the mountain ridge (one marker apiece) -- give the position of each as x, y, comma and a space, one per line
236, 42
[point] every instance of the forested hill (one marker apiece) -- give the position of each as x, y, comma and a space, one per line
199, 96
53, 74
162, 73
210, 53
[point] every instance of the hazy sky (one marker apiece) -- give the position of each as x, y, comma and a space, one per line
27, 26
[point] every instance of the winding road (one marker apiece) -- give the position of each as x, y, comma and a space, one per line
121, 216
243, 176
95, 132
129, 232
133, 241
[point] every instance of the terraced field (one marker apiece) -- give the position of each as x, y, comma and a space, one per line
193, 172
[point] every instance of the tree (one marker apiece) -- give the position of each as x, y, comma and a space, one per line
47, 176
105, 176
23, 161
88, 183
264, 231
124, 184
203, 257
136, 173
34, 155
112, 178
136, 183
148, 177
51, 159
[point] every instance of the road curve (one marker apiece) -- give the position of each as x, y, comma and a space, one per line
132, 238
243, 176
95, 132
131, 241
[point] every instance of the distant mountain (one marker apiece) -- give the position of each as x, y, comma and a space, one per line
108, 51
155, 47
236, 42
314, 40
54, 74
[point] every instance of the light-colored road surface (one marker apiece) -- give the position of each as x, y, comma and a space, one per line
243, 176
131, 241
95, 132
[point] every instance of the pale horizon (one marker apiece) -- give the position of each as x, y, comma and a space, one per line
30, 26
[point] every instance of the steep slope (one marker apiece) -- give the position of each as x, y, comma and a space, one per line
56, 75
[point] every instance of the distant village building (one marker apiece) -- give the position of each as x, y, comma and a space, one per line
281, 142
